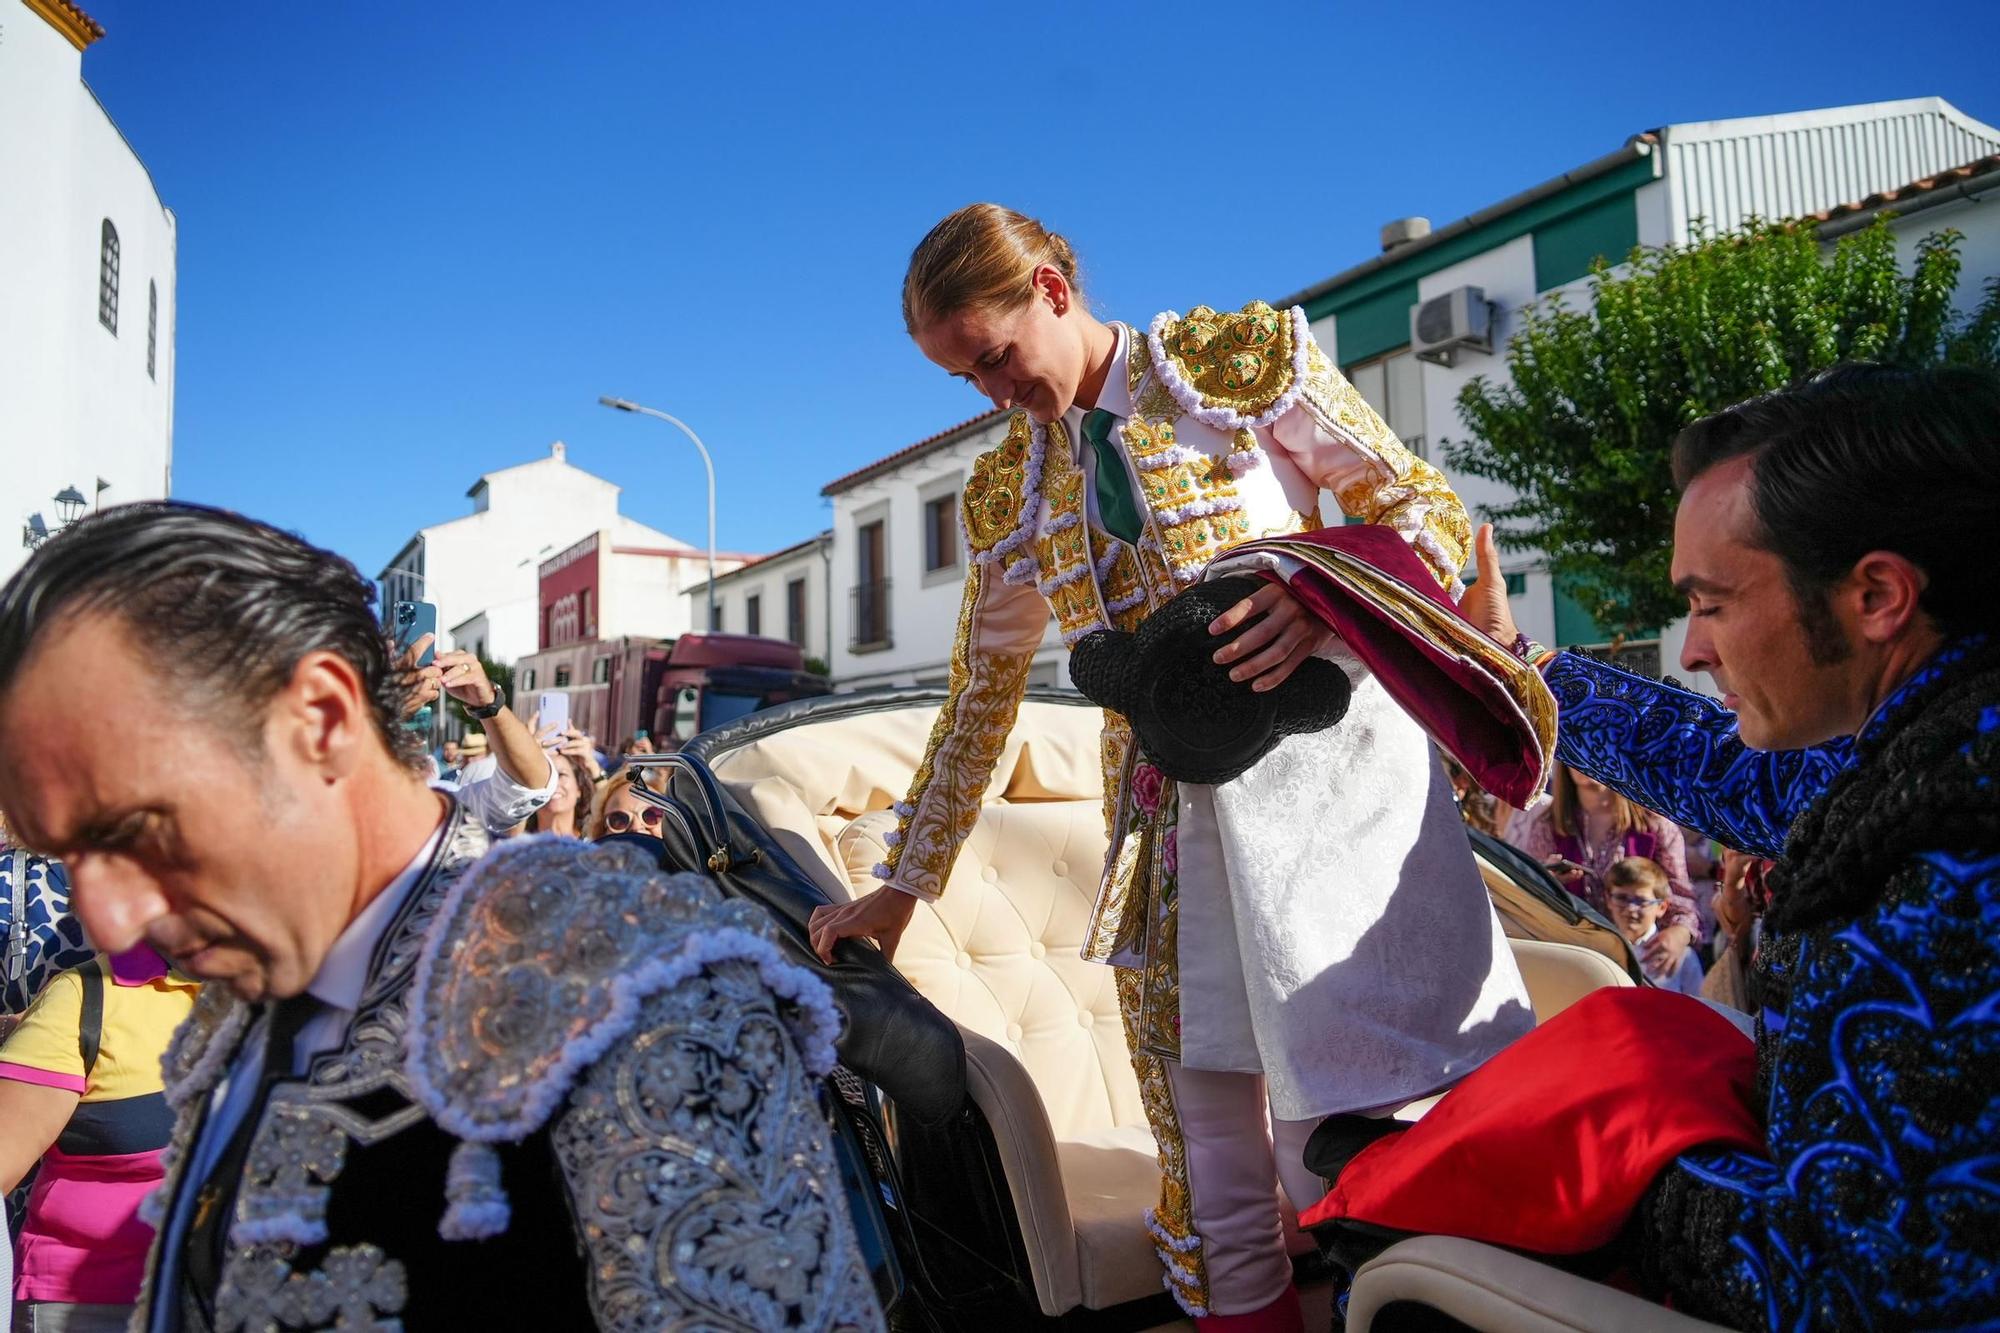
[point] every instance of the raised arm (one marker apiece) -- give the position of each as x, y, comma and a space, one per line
1678, 753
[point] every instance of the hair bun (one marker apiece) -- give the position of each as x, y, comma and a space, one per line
1065, 257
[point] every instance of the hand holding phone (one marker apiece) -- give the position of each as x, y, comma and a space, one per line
552, 708
414, 620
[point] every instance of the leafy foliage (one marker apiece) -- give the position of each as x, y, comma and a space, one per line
1584, 433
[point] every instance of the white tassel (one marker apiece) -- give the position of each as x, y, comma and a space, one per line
478, 1205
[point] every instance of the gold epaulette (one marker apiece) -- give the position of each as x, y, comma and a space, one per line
999, 479
1240, 361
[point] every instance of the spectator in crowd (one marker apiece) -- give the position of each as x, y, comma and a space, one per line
517, 778
568, 811
202, 718
1636, 894
81, 1092
42, 938
1588, 827
449, 758
620, 810
1821, 541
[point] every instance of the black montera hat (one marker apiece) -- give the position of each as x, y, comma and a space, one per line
1191, 719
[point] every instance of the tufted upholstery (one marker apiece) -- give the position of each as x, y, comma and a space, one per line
997, 952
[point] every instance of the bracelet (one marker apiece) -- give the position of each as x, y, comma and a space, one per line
1525, 648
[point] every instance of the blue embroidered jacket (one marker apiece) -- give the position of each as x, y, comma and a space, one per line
42, 938
1877, 1204
1677, 752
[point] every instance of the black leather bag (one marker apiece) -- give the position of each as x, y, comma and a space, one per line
894, 1037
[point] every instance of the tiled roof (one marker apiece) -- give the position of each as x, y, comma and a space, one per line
1916, 189
69, 20
908, 452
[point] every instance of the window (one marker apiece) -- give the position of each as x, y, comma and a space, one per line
715, 618
795, 612
107, 277
1394, 387
562, 677
152, 329
589, 622
753, 614
871, 586
941, 533
527, 679
600, 671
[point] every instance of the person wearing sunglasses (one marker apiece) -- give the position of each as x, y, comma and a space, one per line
623, 810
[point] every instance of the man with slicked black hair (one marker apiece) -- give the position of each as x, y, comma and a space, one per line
397, 1098
1831, 542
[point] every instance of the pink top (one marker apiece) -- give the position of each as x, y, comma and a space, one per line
83, 1240
1534, 832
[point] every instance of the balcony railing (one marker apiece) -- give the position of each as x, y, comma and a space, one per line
869, 618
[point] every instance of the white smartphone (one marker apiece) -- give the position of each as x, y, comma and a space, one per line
553, 705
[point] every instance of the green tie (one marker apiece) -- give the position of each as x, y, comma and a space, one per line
1117, 511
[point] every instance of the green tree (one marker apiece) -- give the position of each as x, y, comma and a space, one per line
1583, 435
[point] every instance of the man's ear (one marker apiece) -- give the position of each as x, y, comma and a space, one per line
325, 714
1884, 592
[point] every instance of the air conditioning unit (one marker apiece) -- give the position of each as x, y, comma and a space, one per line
1459, 321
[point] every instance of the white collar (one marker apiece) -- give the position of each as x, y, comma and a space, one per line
343, 976
1116, 395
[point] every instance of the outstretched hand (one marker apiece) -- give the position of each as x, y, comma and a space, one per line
1485, 602
882, 916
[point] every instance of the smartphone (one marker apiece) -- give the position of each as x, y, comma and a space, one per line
553, 705
413, 621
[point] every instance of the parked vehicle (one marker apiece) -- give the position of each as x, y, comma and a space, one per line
985, 1091
672, 688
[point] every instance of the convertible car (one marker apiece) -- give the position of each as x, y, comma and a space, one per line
998, 1159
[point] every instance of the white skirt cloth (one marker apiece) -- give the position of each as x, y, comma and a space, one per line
1334, 932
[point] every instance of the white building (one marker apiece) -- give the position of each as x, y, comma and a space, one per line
899, 563
780, 596
1922, 157
86, 288
482, 570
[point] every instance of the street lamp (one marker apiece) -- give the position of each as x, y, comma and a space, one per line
69, 504
627, 405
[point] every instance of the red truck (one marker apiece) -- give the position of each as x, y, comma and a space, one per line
670, 688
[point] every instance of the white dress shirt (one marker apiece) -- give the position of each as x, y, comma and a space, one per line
338, 987
492, 797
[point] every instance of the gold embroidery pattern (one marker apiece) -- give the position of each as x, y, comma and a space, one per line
1172, 1219
965, 743
993, 496
1196, 510
1413, 497
1241, 361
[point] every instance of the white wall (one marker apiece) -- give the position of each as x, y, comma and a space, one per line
923, 612
769, 581
76, 403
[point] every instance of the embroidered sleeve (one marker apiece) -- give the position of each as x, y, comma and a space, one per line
1000, 625
46, 940
1678, 753
701, 1171
1879, 1201
1343, 445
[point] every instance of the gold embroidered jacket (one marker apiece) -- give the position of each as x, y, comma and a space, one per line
1232, 424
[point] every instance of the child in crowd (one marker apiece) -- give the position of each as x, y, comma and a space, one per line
1636, 892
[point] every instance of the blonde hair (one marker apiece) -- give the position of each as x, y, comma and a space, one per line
982, 256
1638, 872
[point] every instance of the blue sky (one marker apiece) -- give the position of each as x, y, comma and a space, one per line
417, 241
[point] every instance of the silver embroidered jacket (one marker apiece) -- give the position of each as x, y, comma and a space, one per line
577, 1091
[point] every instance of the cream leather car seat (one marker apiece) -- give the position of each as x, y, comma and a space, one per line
997, 953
